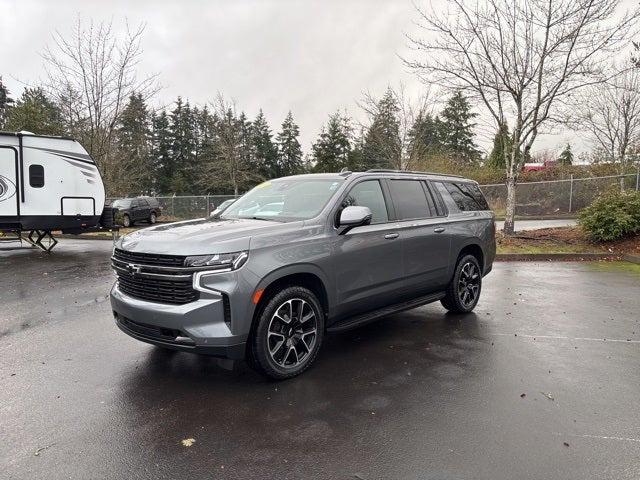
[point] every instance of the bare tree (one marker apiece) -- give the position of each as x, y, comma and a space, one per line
232, 156
91, 74
519, 59
610, 113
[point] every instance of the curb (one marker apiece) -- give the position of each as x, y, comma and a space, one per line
555, 257
82, 237
631, 258
540, 217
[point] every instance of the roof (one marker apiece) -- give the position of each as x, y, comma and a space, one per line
29, 134
344, 174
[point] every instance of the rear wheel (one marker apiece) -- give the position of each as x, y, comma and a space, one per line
152, 218
288, 335
463, 292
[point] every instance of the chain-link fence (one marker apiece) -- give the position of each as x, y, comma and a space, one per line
557, 197
546, 198
189, 206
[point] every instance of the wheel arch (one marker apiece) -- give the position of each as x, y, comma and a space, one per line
304, 275
473, 248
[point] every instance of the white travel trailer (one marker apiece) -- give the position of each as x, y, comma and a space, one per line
46, 184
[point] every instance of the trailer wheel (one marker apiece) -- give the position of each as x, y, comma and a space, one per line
126, 221
152, 218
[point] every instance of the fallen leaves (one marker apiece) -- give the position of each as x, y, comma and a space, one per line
188, 442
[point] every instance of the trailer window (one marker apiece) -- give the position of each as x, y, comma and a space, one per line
36, 176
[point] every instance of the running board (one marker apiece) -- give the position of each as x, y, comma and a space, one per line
353, 322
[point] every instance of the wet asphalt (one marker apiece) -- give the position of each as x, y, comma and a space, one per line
541, 382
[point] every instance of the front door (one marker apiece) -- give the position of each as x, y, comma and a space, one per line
8, 182
368, 259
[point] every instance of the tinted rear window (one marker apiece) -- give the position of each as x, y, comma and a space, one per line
409, 199
467, 196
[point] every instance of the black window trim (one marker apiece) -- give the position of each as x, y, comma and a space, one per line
385, 194
415, 179
441, 207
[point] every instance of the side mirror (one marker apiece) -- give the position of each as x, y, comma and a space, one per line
354, 217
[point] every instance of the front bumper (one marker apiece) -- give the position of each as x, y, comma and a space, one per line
197, 327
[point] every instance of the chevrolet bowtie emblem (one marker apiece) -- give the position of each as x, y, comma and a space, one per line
133, 269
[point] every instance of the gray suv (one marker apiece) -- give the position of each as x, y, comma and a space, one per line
299, 257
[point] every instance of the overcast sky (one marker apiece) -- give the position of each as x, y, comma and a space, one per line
308, 56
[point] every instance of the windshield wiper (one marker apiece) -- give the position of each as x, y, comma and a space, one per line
266, 219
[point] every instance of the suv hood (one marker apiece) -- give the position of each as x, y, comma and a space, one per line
200, 237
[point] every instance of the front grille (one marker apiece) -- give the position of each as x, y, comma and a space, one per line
149, 258
156, 278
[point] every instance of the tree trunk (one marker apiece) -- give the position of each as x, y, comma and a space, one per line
509, 219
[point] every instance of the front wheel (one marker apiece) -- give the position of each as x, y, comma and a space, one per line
288, 335
126, 221
152, 218
463, 292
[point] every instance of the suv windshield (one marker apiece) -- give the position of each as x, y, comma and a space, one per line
284, 200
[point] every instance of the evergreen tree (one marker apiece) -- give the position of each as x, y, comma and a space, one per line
566, 157
133, 143
183, 147
331, 150
206, 150
425, 136
162, 164
457, 129
35, 113
502, 145
355, 161
266, 152
5, 103
382, 144
289, 149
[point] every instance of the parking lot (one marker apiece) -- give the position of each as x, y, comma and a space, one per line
542, 381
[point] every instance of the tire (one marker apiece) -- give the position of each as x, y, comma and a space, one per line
126, 220
106, 219
152, 218
278, 350
463, 292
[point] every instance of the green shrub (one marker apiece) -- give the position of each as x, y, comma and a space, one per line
611, 216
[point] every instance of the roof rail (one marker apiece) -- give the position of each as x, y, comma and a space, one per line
410, 172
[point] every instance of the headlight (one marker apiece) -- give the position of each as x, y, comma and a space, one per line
218, 261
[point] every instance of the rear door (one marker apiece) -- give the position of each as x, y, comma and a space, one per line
8, 182
368, 259
425, 241
137, 209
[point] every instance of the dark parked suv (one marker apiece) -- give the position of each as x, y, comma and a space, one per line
299, 257
130, 210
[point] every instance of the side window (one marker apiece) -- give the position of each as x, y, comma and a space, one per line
369, 194
36, 176
474, 190
467, 196
409, 199
446, 197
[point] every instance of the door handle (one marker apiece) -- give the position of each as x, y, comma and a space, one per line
438, 229
391, 236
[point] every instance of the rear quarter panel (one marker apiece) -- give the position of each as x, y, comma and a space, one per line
468, 228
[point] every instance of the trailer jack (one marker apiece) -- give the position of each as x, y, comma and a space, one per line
36, 238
